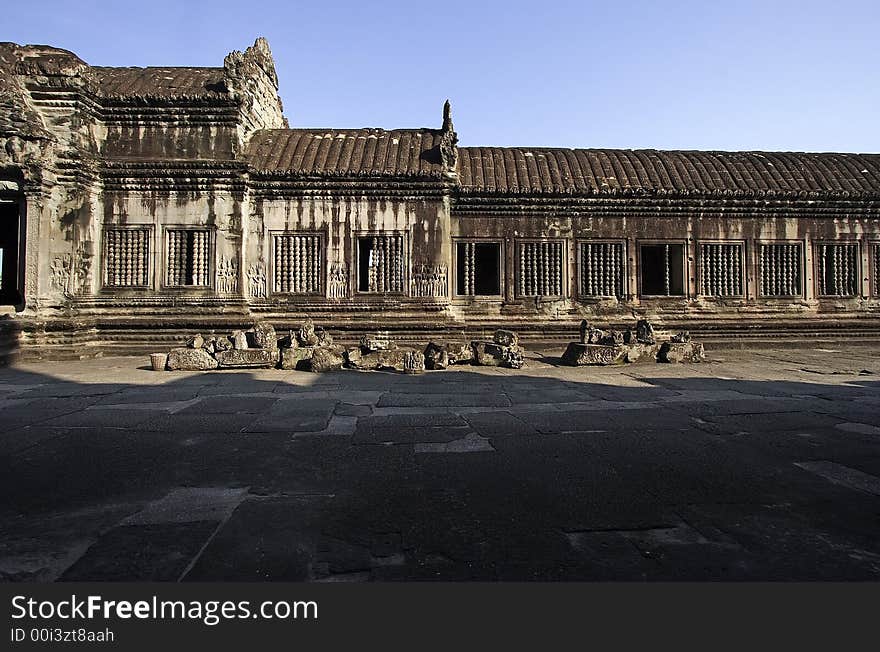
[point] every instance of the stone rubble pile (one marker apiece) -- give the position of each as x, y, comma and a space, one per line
599, 347
311, 348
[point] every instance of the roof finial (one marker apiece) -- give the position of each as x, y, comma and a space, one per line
447, 117
448, 143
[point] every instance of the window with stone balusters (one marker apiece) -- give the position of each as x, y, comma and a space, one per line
875, 268
381, 265
126, 258
188, 257
601, 269
721, 269
299, 263
837, 269
781, 265
539, 269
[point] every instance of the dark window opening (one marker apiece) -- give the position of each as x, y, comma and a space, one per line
478, 269
838, 272
380, 264
10, 288
662, 269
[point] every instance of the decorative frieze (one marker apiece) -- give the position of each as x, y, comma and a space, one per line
298, 263
721, 270
227, 276
540, 269
126, 257
837, 269
781, 270
601, 273
256, 275
70, 272
429, 281
337, 281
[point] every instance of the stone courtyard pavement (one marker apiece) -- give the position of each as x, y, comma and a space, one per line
757, 465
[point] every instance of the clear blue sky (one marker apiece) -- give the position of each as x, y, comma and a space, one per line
781, 75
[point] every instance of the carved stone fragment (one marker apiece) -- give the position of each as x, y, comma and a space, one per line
188, 359
436, 356
459, 352
248, 358
264, 336
505, 338
488, 354
377, 341
195, 342
327, 358
513, 357
299, 358
578, 354
239, 340
413, 362
681, 352
645, 332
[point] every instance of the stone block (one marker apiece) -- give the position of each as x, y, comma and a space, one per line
513, 357
579, 354
263, 336
459, 352
356, 358
187, 359
505, 338
195, 342
488, 354
645, 332
436, 356
414, 362
222, 343
380, 341
641, 352
681, 352
327, 358
239, 340
394, 358
248, 358
299, 358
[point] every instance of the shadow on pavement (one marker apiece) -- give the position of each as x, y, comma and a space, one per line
457, 475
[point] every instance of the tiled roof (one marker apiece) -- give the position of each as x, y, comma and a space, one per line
534, 171
340, 153
159, 82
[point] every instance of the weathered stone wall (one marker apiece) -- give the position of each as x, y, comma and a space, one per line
687, 223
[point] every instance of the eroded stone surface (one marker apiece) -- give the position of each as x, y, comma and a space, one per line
436, 356
299, 358
327, 358
248, 358
681, 352
187, 359
578, 354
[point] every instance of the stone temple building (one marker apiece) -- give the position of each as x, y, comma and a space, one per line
141, 204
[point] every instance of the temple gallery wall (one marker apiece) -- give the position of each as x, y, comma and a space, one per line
138, 205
